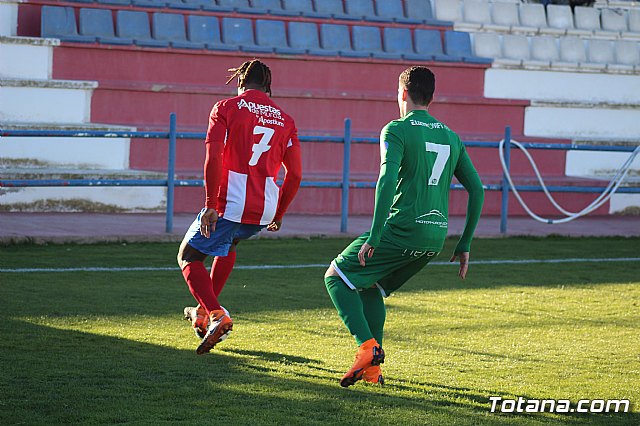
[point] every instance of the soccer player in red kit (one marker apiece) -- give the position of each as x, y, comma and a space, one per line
248, 139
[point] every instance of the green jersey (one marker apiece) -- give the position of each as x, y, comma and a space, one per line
419, 157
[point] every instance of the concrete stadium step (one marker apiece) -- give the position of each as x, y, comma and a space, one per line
26, 57
78, 152
582, 120
52, 101
207, 68
149, 106
106, 199
562, 86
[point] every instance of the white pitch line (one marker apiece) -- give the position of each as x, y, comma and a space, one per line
319, 265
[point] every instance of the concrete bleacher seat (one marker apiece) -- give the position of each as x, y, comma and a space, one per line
421, 10
239, 32
559, 16
487, 45
429, 44
532, 16
135, 25
505, 14
448, 10
516, 47
361, 9
241, 6
270, 6
304, 35
627, 54
634, 24
572, 51
99, 23
60, 22
272, 34
398, 40
170, 27
587, 18
303, 7
336, 38
475, 14
368, 39
600, 53
333, 8
458, 44
207, 5
393, 10
113, 2
544, 49
184, 5
614, 20
206, 29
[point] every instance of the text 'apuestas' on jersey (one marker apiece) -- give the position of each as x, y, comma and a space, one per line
266, 110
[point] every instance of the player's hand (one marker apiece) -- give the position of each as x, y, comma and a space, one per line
464, 263
208, 222
365, 251
274, 226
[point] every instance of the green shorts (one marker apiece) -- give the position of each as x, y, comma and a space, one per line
389, 268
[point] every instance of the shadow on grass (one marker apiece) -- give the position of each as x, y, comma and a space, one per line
53, 376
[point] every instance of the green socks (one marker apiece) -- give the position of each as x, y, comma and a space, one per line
363, 312
374, 311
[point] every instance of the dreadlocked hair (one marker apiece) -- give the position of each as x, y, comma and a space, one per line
252, 72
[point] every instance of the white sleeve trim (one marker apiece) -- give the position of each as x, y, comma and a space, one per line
343, 276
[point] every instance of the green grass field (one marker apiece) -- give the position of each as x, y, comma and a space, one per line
111, 347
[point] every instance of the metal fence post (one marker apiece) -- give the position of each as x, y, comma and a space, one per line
346, 164
504, 211
171, 171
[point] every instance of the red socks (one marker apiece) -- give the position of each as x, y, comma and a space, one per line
220, 271
200, 285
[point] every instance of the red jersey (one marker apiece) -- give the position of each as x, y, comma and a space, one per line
253, 137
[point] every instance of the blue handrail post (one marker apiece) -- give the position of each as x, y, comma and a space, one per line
504, 211
171, 171
346, 163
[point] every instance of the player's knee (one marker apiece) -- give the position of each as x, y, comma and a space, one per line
188, 254
234, 245
331, 272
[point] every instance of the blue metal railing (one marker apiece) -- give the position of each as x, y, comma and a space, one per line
345, 184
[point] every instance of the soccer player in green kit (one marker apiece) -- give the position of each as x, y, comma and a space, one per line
419, 157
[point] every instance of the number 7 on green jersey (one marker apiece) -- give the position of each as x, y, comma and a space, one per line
442, 155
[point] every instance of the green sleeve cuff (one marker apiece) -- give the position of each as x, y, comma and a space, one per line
462, 247
373, 241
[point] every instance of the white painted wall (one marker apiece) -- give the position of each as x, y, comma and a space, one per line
582, 123
8, 18
25, 61
41, 104
562, 86
130, 198
598, 163
619, 202
81, 153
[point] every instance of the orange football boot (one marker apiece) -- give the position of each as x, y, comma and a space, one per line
373, 374
199, 319
220, 325
369, 353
